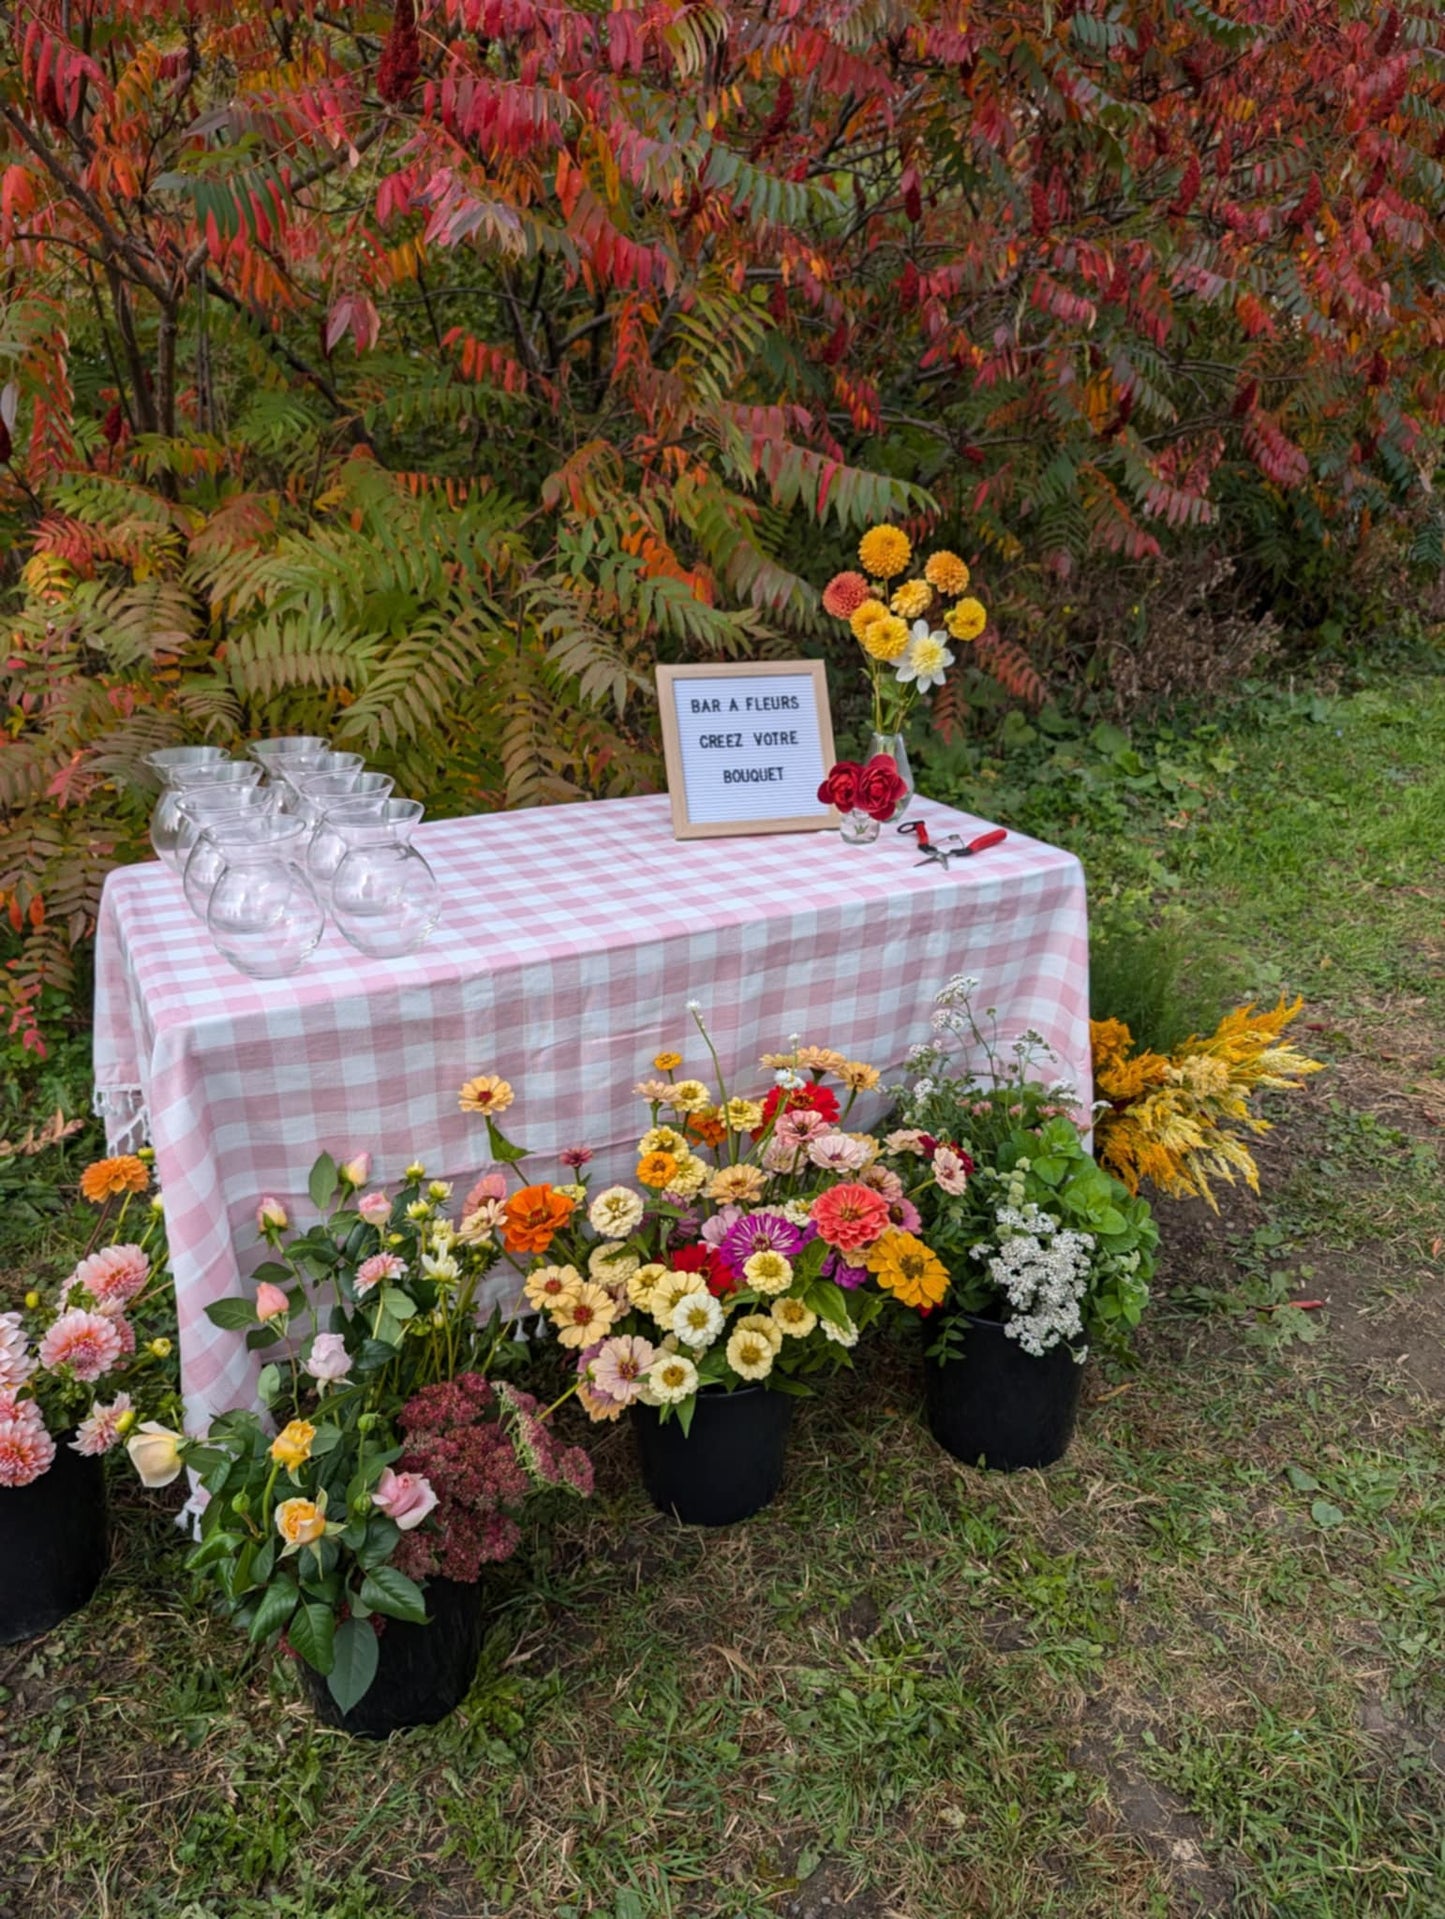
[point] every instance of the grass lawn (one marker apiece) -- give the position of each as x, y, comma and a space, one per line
1197, 1668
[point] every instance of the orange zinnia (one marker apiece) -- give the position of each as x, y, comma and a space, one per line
532, 1218
656, 1169
108, 1177
710, 1131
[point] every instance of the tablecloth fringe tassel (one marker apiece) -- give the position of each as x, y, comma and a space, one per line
127, 1118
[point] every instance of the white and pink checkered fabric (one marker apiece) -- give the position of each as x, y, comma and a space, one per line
572, 938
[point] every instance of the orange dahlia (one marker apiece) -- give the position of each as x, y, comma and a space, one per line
109, 1177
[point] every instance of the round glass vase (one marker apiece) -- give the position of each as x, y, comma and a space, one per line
200, 807
859, 829
384, 897
896, 747
187, 778
263, 913
328, 845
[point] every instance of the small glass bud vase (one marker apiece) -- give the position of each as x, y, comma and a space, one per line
895, 745
859, 829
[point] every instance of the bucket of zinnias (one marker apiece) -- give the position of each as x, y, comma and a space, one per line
352, 1525
703, 1296
74, 1381
1041, 1254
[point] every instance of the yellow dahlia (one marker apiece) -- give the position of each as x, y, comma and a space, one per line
966, 620
886, 639
864, 616
947, 572
912, 599
885, 552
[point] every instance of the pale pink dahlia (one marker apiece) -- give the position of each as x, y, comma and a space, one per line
100, 1430
88, 1343
113, 1277
26, 1449
16, 1363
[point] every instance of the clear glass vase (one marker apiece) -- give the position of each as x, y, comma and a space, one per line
200, 806
316, 791
183, 777
263, 913
859, 829
895, 745
384, 897
329, 846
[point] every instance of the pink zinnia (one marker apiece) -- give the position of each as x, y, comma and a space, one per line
113, 1277
905, 1215
850, 1216
837, 1153
620, 1363
26, 1449
844, 594
489, 1186
576, 1156
100, 1430
380, 1266
88, 1343
801, 1126
883, 1180
16, 1364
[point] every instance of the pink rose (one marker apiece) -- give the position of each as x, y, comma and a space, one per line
406, 1498
356, 1171
329, 1360
271, 1217
375, 1209
271, 1302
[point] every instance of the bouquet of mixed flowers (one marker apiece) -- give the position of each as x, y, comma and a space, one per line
389, 1455
1029, 1228
737, 1255
897, 626
71, 1363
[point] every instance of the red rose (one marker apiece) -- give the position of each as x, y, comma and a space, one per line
879, 788
840, 789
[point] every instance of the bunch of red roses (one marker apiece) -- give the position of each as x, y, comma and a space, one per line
874, 789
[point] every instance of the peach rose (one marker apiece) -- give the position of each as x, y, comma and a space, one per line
300, 1522
155, 1452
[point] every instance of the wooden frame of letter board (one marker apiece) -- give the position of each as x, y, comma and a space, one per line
682, 826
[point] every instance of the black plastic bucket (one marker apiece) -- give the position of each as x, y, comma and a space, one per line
727, 1467
423, 1673
53, 1544
1000, 1407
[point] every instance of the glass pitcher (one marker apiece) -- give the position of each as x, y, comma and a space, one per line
384, 897
263, 913
191, 776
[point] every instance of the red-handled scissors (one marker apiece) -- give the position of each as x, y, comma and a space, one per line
954, 848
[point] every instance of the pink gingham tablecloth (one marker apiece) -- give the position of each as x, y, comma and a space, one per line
571, 940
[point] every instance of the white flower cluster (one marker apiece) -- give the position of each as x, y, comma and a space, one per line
1043, 1270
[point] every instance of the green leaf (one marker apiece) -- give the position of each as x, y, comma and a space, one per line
232, 1314
218, 1546
389, 1591
1324, 1514
353, 1662
323, 1182
268, 1385
396, 1304
312, 1632
684, 1410
1302, 1481
502, 1147
828, 1303
278, 1602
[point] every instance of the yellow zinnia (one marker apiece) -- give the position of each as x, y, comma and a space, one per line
865, 615
689, 1096
485, 1094
912, 600
885, 552
667, 1062
858, 1077
750, 1355
886, 639
743, 1114
905, 1267
966, 620
947, 572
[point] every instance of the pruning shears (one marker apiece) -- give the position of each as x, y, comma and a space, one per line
954, 848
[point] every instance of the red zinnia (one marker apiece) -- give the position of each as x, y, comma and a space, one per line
721, 1279
812, 1098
